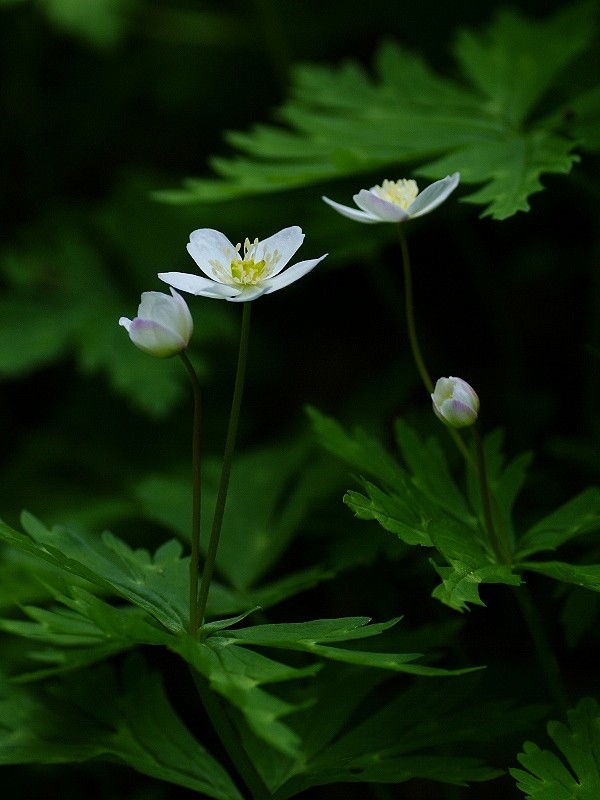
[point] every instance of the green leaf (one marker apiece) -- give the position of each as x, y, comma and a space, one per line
315, 637
270, 493
397, 740
340, 122
100, 22
158, 585
575, 776
429, 470
392, 512
586, 575
515, 64
96, 716
357, 449
81, 631
460, 582
576, 517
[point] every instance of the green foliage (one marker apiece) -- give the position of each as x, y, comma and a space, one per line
341, 123
421, 503
272, 490
577, 775
97, 715
389, 739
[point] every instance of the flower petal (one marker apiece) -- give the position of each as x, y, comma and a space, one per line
208, 245
383, 210
433, 195
287, 241
249, 293
351, 213
126, 323
291, 274
155, 339
196, 284
170, 311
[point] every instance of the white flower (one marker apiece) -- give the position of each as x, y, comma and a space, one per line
238, 276
455, 402
163, 326
397, 201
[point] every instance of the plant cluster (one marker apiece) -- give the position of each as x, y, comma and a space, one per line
214, 641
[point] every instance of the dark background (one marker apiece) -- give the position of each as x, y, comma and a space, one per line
94, 119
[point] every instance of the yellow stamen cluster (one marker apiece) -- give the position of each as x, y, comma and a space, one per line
245, 270
400, 193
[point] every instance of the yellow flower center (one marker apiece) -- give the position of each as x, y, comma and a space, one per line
400, 193
246, 270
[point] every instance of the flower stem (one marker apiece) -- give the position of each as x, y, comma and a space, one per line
234, 417
196, 494
409, 307
410, 314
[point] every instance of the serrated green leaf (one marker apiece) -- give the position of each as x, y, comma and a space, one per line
92, 717
577, 775
158, 587
393, 513
357, 448
429, 470
314, 637
460, 582
515, 64
341, 123
576, 517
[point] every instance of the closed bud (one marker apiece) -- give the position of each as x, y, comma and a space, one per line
455, 402
163, 326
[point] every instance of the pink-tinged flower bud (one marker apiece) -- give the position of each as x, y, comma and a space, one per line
163, 326
455, 402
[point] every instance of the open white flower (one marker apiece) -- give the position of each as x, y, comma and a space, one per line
397, 201
455, 402
240, 276
163, 326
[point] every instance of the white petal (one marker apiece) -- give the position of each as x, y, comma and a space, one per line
208, 245
351, 213
250, 293
383, 210
153, 338
291, 274
433, 195
126, 323
287, 241
196, 284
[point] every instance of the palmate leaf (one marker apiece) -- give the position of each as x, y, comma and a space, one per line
158, 584
362, 739
340, 122
95, 715
575, 776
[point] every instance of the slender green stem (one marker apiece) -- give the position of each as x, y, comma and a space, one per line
500, 546
546, 658
410, 313
234, 417
230, 739
196, 494
413, 339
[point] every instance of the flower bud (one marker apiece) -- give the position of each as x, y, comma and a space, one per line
163, 326
455, 402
